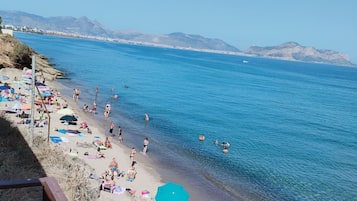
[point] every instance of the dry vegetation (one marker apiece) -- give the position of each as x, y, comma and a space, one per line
14, 54
19, 161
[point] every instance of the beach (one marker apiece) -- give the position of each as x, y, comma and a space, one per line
79, 144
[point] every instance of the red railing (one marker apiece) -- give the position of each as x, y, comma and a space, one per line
51, 190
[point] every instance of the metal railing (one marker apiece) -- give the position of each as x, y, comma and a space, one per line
51, 190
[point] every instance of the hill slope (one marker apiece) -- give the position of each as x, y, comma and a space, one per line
295, 52
85, 27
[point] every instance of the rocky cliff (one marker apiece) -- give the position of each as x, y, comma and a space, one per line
12, 57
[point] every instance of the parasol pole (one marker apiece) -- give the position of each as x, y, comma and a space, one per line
48, 114
32, 123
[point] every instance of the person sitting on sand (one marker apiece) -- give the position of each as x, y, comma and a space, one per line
100, 154
107, 143
113, 165
131, 173
98, 142
108, 183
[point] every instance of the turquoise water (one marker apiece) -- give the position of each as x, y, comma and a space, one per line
292, 126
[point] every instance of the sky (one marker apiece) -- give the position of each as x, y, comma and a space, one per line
323, 24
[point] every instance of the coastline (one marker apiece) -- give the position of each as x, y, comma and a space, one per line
147, 177
151, 44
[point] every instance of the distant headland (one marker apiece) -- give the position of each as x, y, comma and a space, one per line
91, 29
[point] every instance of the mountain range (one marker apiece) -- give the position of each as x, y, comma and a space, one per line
85, 27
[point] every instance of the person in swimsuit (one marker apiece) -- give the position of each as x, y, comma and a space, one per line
120, 137
146, 143
132, 154
111, 128
113, 165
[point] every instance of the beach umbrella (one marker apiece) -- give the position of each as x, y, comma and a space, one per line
16, 105
68, 118
171, 191
26, 106
65, 111
4, 77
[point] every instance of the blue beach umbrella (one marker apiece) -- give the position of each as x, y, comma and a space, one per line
171, 191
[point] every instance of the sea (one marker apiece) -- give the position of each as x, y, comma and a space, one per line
291, 126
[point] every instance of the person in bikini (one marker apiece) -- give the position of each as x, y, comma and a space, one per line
111, 128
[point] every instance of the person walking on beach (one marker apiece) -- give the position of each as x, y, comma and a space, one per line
111, 128
146, 143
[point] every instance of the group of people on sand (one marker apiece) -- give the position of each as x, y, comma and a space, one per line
90, 110
108, 177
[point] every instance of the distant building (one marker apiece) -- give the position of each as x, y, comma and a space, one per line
8, 31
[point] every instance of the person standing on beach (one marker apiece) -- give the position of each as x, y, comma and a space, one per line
107, 111
146, 143
94, 107
111, 128
76, 94
120, 137
132, 154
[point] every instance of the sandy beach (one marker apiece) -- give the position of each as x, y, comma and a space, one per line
76, 143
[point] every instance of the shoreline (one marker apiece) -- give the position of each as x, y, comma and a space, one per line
212, 190
147, 177
151, 164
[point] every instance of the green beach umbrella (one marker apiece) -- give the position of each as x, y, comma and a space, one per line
171, 192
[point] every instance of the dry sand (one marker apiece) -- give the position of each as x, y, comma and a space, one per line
146, 179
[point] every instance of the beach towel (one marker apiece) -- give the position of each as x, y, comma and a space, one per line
91, 156
55, 139
81, 134
73, 131
63, 131
118, 190
64, 139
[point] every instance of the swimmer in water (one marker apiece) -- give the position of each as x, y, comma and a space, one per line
146, 116
225, 144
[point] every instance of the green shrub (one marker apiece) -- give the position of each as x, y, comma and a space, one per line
21, 55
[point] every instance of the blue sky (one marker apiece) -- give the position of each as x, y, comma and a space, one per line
321, 24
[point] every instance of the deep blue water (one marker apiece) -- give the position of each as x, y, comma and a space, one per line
292, 126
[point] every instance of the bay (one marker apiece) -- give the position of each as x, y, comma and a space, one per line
291, 125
